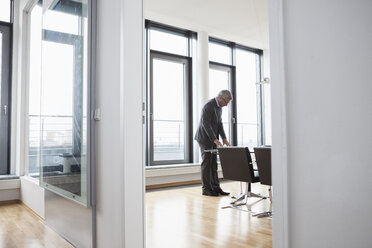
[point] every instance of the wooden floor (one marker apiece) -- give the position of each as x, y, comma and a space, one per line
20, 227
175, 217
181, 217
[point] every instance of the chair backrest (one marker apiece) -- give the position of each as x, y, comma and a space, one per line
263, 160
236, 163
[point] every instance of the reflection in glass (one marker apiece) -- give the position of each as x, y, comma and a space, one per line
168, 42
246, 98
168, 110
220, 80
63, 122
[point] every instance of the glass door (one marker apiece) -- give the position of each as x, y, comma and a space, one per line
65, 103
5, 69
221, 78
169, 122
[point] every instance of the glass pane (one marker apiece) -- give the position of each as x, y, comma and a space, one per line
267, 95
220, 53
64, 87
168, 110
5, 10
34, 91
167, 42
5, 54
246, 98
220, 80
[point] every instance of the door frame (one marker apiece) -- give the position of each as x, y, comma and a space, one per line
186, 61
134, 224
279, 124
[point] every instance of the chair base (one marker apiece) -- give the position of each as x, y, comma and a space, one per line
264, 214
242, 199
268, 213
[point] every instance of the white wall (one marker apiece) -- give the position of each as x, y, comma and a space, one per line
241, 21
120, 187
33, 195
327, 92
108, 149
9, 190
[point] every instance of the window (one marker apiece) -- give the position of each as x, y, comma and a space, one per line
267, 116
238, 68
64, 99
6, 29
6, 10
248, 98
169, 80
34, 74
220, 53
222, 77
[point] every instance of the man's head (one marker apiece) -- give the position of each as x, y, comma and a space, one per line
224, 97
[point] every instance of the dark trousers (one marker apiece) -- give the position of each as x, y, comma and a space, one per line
208, 171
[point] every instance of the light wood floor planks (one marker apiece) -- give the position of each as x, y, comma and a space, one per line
181, 217
176, 217
20, 228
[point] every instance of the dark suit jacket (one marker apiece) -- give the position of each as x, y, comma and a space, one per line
210, 125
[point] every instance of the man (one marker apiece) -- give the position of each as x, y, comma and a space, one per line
210, 128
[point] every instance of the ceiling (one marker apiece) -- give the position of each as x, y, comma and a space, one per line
241, 21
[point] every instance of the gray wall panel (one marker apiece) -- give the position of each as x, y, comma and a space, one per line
69, 219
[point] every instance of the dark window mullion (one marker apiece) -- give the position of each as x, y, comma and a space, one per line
234, 108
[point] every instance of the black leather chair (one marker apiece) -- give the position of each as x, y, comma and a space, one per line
263, 161
237, 165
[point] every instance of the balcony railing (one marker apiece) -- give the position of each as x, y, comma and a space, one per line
169, 140
57, 139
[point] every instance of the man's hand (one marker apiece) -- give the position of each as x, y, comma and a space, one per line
226, 142
217, 142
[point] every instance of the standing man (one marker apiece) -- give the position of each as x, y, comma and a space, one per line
210, 128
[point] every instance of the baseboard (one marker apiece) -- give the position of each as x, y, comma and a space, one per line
31, 210
164, 185
10, 202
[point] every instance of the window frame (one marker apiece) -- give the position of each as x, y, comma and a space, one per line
232, 106
150, 53
9, 68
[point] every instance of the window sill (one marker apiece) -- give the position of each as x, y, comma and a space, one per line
173, 170
12, 182
31, 179
8, 177
171, 166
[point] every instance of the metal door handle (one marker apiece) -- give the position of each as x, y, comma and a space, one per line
5, 109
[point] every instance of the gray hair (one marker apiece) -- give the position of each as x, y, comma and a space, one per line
225, 94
